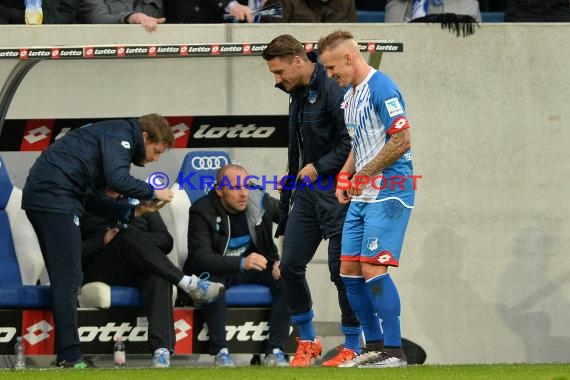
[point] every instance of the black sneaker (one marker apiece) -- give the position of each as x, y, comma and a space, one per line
80, 363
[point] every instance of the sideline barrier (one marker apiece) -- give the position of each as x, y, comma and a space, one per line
246, 331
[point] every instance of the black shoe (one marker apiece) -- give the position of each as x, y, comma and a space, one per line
80, 363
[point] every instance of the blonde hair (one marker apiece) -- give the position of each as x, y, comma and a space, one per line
334, 39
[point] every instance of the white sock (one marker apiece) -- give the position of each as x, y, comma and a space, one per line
188, 282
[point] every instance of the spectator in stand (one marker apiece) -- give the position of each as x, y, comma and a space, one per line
54, 11
210, 11
492, 5
407, 10
458, 16
146, 13
537, 11
12, 12
371, 5
319, 10
134, 254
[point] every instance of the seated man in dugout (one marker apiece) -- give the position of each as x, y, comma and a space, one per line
134, 254
230, 235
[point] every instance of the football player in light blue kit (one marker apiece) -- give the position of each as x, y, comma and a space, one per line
381, 196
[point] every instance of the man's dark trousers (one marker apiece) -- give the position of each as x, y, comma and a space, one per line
310, 220
131, 259
215, 312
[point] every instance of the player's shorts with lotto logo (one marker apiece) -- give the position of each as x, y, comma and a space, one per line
374, 232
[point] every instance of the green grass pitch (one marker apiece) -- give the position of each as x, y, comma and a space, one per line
425, 372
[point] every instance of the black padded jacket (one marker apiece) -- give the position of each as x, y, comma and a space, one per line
209, 232
317, 135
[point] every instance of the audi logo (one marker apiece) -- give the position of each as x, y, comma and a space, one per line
209, 163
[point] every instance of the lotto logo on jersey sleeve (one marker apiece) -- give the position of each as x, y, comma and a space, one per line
394, 107
399, 124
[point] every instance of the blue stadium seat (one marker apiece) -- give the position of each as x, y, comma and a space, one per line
102, 296
205, 164
21, 261
125, 296
25, 297
249, 295
369, 16
191, 189
493, 16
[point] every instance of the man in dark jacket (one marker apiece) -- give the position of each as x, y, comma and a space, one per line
148, 14
319, 10
134, 254
207, 11
54, 11
319, 145
74, 168
230, 236
537, 11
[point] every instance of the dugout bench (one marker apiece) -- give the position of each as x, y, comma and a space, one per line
25, 306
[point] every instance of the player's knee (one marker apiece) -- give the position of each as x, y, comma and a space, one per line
370, 270
350, 268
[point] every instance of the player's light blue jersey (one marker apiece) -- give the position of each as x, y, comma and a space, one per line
373, 111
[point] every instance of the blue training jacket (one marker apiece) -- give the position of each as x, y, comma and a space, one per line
82, 163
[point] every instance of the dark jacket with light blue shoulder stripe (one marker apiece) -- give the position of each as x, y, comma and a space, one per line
209, 232
84, 162
317, 135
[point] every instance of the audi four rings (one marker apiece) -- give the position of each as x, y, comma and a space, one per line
209, 163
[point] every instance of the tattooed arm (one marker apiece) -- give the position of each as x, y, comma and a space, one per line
398, 145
